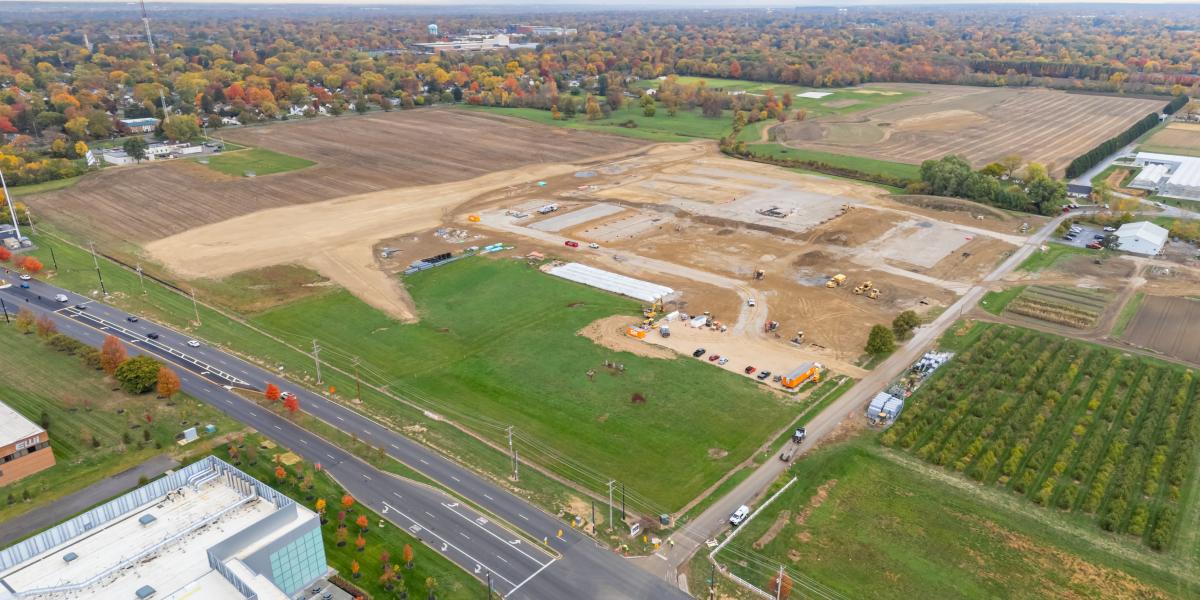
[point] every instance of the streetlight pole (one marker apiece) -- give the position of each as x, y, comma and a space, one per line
12, 212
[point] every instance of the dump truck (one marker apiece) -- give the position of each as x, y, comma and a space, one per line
809, 371
836, 281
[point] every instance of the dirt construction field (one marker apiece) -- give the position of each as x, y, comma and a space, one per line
354, 155
981, 124
1170, 325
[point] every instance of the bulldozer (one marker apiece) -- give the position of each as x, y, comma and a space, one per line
759, 274
862, 288
836, 281
873, 293
799, 339
653, 310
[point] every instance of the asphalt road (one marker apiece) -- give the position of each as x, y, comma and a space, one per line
709, 524
577, 567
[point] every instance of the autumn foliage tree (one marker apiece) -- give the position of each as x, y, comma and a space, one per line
31, 265
360, 543
407, 554
320, 506
168, 383
280, 474
362, 522
272, 393
26, 321
292, 404
112, 354
354, 568
347, 501
46, 327
5, 254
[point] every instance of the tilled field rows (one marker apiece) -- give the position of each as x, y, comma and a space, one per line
1169, 325
354, 155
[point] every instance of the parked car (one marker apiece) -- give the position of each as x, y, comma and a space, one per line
593, 245
1110, 229
25, 277
61, 298
152, 335
722, 361
750, 370
1095, 245
1097, 237
699, 352
571, 244
764, 375
714, 358
739, 515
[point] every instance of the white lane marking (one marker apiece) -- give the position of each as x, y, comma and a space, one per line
229, 401
523, 516
253, 414
394, 446
464, 535
489, 497
367, 477
424, 462
430, 515
481, 522
277, 427
527, 579
330, 457
397, 495
460, 550
456, 479
304, 441
339, 418
501, 558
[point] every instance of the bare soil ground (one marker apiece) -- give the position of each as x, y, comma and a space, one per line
1177, 135
610, 333
1170, 325
355, 155
981, 124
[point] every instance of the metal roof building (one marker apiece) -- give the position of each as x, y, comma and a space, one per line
206, 531
612, 282
1142, 237
1182, 179
24, 447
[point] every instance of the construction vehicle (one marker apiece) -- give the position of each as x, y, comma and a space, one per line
873, 293
810, 371
836, 281
862, 288
799, 339
652, 311
799, 435
473, 218
759, 274
664, 331
770, 326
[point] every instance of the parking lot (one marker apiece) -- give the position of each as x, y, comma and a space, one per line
1086, 235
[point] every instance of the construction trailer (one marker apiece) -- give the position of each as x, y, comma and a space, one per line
809, 371
884, 408
635, 331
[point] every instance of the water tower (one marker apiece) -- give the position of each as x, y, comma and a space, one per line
433, 29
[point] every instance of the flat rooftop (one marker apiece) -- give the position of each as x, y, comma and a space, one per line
14, 427
180, 565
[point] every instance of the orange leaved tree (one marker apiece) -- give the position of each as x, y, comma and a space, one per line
292, 404
272, 393
347, 501
168, 383
32, 265
112, 354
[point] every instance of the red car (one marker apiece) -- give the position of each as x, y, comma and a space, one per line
571, 244
750, 370
714, 358
1095, 245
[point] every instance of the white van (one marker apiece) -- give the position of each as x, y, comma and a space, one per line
739, 515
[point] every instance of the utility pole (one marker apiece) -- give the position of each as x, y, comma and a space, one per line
712, 581
195, 307
12, 212
489, 585
610, 504
622, 501
150, 42
142, 280
96, 263
516, 465
358, 396
4, 307
513, 450
593, 516
317, 359
779, 584
29, 215
53, 259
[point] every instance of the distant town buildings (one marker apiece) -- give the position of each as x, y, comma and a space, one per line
541, 30
24, 447
473, 43
146, 125
205, 531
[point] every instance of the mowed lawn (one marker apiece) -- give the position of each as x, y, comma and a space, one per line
869, 527
497, 346
81, 406
686, 126
839, 101
259, 160
858, 163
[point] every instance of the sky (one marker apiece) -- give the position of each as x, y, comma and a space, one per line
643, 4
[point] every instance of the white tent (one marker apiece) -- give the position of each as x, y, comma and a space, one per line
612, 282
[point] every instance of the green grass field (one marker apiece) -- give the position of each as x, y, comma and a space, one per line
866, 165
259, 160
45, 186
1126, 315
864, 97
867, 524
994, 302
1040, 260
452, 582
686, 126
493, 358
81, 406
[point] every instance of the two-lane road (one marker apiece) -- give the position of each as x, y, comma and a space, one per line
577, 566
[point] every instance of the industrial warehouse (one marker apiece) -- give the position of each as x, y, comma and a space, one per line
207, 531
1168, 175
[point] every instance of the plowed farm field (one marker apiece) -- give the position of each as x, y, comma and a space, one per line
1170, 325
354, 155
981, 124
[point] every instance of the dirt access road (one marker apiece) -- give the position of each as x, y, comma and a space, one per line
711, 522
335, 237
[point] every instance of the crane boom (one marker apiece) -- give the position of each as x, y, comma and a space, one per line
162, 98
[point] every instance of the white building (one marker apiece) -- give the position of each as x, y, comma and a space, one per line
1142, 237
205, 531
1176, 176
155, 151
473, 43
